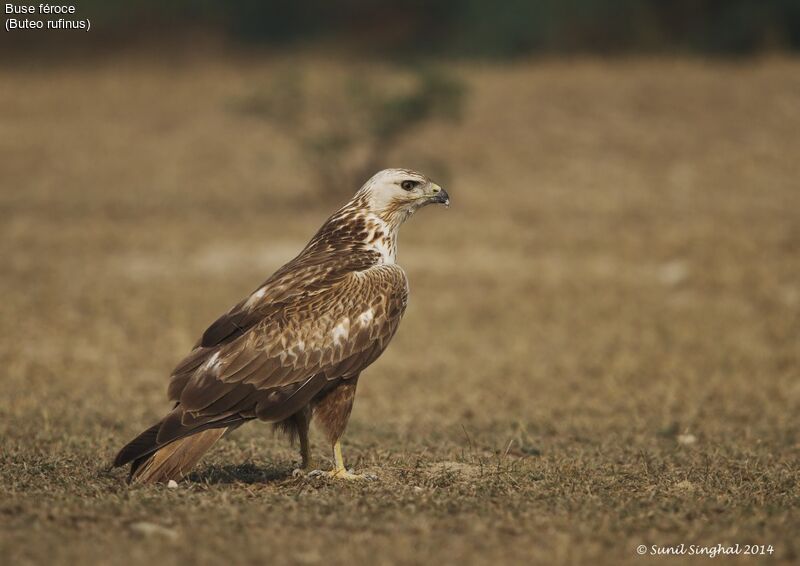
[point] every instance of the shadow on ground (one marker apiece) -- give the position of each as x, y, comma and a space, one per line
241, 473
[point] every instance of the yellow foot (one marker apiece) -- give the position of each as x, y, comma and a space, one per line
341, 474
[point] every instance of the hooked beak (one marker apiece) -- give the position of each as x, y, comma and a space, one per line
439, 196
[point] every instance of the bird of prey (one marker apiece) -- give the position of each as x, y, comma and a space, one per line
295, 347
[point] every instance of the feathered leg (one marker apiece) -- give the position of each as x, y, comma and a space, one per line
333, 412
302, 432
297, 427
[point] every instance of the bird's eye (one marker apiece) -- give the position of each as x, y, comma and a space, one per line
408, 185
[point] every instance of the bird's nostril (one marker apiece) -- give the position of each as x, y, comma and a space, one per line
436, 189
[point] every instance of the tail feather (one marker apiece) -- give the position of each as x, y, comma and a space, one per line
168, 449
139, 447
174, 460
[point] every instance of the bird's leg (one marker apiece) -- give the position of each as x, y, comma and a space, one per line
305, 447
339, 471
338, 461
333, 412
300, 422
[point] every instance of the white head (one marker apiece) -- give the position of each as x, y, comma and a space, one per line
395, 194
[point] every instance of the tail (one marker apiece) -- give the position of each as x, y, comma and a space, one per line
176, 459
154, 462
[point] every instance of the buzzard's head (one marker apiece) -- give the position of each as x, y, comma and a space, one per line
394, 194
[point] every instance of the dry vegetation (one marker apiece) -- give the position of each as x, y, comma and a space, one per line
601, 348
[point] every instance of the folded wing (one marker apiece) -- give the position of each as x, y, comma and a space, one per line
280, 354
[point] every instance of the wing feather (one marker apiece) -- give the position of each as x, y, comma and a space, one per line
275, 365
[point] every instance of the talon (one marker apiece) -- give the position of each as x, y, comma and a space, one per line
339, 471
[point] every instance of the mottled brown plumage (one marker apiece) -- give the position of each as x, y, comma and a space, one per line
294, 348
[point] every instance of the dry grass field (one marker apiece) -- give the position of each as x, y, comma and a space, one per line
601, 350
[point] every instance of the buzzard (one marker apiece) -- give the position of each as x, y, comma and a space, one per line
295, 347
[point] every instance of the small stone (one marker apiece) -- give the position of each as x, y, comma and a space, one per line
146, 529
686, 439
172, 484
673, 273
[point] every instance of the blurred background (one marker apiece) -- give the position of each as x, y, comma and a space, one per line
602, 342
